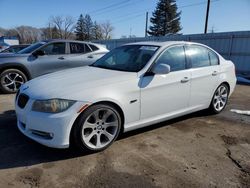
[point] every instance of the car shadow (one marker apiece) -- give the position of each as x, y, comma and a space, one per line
16, 150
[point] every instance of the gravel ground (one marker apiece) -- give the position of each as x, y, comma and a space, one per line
196, 150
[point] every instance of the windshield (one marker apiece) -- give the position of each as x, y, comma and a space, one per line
31, 48
131, 58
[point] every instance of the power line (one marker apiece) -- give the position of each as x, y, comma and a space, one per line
118, 7
129, 18
110, 6
196, 4
150, 10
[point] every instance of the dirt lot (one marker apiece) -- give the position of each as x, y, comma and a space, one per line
193, 151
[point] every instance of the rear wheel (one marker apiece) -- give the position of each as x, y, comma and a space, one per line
11, 80
97, 128
220, 99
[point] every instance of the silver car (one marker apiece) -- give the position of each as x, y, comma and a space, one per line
43, 58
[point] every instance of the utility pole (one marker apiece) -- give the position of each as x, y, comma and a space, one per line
207, 15
146, 25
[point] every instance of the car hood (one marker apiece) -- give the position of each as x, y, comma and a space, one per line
14, 55
72, 83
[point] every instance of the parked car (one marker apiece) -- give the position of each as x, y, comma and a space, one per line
132, 86
3, 46
15, 48
45, 57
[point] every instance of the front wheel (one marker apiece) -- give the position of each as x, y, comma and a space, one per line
220, 99
11, 80
97, 128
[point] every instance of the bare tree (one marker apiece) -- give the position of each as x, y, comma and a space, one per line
107, 30
2, 31
63, 25
26, 34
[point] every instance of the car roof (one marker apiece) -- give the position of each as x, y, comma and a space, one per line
66, 40
78, 41
165, 43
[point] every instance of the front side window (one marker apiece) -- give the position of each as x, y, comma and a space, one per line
131, 58
31, 48
54, 48
174, 57
198, 56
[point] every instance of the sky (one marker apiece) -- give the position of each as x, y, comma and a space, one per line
128, 16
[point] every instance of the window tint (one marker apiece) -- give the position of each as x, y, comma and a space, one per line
198, 56
131, 58
54, 48
213, 58
93, 47
174, 57
87, 49
77, 48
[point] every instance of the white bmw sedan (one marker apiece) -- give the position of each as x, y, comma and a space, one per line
132, 86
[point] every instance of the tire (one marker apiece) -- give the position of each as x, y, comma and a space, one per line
97, 128
219, 100
11, 80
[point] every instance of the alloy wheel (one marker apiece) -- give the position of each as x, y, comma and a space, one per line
220, 98
12, 81
100, 128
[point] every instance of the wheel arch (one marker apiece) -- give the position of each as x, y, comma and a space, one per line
107, 102
16, 66
227, 84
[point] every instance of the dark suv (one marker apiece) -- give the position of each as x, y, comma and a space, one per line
45, 57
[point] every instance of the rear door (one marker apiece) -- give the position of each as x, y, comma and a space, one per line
205, 70
80, 54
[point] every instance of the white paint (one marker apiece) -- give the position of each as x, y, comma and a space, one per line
159, 98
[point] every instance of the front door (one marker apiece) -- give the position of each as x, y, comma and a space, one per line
55, 59
163, 95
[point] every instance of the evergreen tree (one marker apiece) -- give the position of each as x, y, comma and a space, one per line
97, 31
80, 28
88, 27
166, 19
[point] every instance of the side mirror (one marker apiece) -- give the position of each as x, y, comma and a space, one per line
161, 69
38, 53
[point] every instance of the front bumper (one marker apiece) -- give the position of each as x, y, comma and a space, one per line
52, 130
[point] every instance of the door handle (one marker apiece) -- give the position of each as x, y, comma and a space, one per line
61, 58
184, 80
214, 73
90, 56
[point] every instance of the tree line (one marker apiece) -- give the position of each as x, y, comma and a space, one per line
62, 27
165, 20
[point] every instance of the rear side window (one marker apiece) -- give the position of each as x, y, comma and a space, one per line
77, 48
198, 56
87, 49
93, 47
174, 57
213, 58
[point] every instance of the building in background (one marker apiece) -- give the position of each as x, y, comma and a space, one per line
8, 41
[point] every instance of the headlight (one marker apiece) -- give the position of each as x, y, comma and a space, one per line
52, 105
